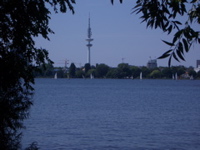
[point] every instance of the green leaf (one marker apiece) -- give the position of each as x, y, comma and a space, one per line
175, 57
169, 29
177, 22
169, 61
178, 34
180, 55
163, 56
166, 25
193, 1
175, 38
112, 1
166, 54
180, 47
185, 45
168, 43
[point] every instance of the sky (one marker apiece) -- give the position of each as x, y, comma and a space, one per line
119, 37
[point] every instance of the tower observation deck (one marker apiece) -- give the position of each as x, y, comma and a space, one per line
89, 40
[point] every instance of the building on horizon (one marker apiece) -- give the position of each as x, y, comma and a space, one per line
152, 63
198, 64
197, 69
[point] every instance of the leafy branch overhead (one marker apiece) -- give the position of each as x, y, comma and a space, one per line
181, 43
62, 5
166, 15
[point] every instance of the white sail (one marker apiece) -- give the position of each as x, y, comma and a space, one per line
172, 76
91, 76
55, 76
140, 75
176, 77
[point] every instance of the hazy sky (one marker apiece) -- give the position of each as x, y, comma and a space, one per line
118, 36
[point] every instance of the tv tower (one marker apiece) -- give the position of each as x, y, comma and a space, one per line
89, 39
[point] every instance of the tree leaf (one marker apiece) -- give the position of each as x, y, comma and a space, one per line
193, 1
180, 47
178, 34
177, 22
175, 38
185, 45
163, 56
170, 29
168, 43
180, 55
112, 1
166, 54
169, 61
166, 25
175, 57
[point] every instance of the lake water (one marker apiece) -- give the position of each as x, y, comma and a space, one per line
108, 114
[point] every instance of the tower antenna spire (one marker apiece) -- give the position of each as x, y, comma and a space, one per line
89, 39
89, 28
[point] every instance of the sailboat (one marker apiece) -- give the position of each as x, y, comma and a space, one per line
55, 76
140, 75
172, 76
176, 77
91, 76
131, 77
83, 76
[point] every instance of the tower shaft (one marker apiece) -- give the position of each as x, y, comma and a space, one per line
89, 40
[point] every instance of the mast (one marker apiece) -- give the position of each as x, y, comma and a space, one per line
89, 39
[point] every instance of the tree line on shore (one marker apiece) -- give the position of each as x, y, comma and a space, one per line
122, 71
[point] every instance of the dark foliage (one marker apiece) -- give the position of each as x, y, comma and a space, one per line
20, 22
87, 67
72, 70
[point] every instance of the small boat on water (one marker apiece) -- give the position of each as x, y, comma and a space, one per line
55, 76
173, 77
91, 76
140, 75
176, 76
